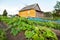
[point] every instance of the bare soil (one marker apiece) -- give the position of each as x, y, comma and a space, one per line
21, 35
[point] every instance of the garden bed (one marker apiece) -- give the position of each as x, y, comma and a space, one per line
23, 29
57, 32
21, 35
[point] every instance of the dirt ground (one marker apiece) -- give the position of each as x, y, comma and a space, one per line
9, 36
21, 35
57, 32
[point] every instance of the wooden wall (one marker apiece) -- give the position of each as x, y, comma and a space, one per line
28, 13
39, 14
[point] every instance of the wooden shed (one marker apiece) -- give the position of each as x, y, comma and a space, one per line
31, 11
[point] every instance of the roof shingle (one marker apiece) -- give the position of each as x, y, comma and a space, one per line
33, 6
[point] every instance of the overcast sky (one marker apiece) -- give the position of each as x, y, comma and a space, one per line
13, 6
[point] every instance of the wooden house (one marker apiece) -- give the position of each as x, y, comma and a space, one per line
31, 11
48, 15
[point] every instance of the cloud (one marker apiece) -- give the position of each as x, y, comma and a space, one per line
13, 6
58, 0
11, 9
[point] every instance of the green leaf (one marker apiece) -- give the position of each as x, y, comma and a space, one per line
29, 34
14, 31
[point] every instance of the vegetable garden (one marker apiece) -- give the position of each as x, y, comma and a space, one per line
32, 30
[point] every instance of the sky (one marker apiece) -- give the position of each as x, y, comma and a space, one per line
14, 6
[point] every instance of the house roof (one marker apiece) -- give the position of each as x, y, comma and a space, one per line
33, 6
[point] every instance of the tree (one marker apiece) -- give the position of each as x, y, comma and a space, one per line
5, 13
57, 9
57, 6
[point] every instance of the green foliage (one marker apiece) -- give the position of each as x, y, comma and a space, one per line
57, 10
57, 6
2, 35
14, 32
4, 13
29, 34
36, 37
34, 30
50, 25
